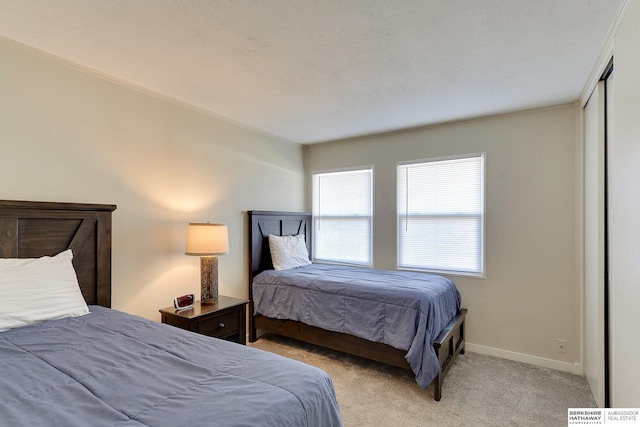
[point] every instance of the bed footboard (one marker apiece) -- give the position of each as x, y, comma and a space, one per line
448, 345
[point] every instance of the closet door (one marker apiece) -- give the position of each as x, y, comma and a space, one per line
594, 243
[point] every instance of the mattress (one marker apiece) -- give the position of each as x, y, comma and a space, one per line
108, 368
406, 310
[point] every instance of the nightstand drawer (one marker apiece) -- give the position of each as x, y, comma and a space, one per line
220, 326
226, 319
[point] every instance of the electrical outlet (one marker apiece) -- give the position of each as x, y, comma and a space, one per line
561, 346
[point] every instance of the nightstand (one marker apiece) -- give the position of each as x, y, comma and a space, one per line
227, 319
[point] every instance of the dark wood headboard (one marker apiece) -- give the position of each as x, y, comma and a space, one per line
263, 223
35, 229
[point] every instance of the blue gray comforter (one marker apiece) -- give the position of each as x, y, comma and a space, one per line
405, 310
112, 369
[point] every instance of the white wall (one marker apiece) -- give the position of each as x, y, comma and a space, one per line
69, 135
624, 185
531, 294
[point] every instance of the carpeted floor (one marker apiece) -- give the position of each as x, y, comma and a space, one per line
478, 391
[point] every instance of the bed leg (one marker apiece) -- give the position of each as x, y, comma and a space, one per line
253, 334
437, 392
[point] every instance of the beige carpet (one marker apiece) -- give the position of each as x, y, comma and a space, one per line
478, 391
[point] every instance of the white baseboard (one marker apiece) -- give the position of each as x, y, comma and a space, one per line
574, 368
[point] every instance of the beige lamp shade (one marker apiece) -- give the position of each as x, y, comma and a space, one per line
207, 239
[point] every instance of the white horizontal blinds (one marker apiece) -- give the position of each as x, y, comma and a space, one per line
342, 216
441, 215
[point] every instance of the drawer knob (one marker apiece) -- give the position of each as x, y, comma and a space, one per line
221, 325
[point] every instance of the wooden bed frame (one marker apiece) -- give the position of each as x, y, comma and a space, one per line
448, 345
36, 229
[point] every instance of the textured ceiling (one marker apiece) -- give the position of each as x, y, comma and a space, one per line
311, 71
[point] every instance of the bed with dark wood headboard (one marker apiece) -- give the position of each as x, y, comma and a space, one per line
36, 229
76, 370
448, 345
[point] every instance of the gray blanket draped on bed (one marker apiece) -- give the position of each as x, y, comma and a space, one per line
111, 369
406, 310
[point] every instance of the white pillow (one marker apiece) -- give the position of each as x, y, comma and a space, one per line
37, 289
288, 252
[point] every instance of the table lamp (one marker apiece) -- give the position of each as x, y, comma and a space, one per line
208, 240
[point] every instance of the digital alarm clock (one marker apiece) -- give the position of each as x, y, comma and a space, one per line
184, 302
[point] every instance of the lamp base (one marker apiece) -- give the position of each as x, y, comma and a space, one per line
209, 279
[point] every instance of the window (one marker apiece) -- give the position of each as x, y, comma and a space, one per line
440, 215
343, 216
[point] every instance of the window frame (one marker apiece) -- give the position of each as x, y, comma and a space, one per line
483, 270
316, 231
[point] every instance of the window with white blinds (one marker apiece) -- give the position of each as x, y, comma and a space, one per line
343, 216
440, 215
